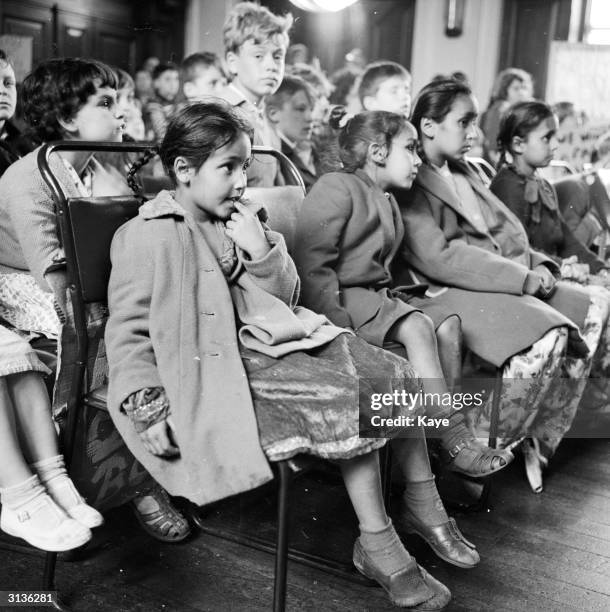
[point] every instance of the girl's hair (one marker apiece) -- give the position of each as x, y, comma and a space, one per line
5, 59
435, 100
504, 80
519, 120
362, 130
57, 89
194, 133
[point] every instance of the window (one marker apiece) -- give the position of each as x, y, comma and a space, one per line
597, 22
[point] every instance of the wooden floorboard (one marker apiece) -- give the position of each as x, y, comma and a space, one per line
542, 553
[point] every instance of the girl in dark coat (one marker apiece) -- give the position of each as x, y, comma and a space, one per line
461, 238
527, 142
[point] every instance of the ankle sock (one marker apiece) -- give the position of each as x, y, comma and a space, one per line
53, 475
20, 494
26, 497
385, 549
424, 502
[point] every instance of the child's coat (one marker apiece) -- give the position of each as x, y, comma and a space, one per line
446, 249
348, 234
172, 325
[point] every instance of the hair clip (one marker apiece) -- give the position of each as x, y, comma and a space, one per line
347, 117
338, 117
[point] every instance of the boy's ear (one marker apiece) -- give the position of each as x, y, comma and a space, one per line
231, 60
428, 127
189, 90
369, 103
182, 170
378, 153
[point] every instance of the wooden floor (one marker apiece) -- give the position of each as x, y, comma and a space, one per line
548, 552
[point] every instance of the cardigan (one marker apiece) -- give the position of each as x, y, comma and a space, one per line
546, 228
29, 240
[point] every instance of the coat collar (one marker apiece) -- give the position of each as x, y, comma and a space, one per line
163, 205
431, 181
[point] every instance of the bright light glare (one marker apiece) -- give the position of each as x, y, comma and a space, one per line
600, 14
323, 6
598, 27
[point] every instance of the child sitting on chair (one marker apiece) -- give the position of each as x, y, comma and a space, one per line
39, 501
63, 99
214, 370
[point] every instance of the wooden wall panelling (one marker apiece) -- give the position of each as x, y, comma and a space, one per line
33, 20
159, 29
74, 34
115, 44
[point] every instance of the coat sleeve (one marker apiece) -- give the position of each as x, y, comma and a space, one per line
320, 226
129, 347
275, 272
435, 245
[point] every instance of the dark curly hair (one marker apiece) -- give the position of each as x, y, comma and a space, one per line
57, 89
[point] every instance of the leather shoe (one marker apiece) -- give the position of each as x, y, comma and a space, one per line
411, 587
446, 540
476, 460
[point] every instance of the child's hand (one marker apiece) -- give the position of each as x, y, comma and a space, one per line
547, 279
159, 438
246, 231
572, 270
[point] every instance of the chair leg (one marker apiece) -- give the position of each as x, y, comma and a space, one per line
48, 581
494, 423
281, 553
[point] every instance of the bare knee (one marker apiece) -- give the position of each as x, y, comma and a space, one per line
449, 332
416, 327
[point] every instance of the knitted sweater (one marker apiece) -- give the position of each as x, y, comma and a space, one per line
28, 231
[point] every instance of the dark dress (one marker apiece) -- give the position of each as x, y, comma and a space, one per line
534, 201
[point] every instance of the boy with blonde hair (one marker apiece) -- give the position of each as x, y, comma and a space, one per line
255, 43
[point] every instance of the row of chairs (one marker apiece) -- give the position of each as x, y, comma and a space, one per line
111, 476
